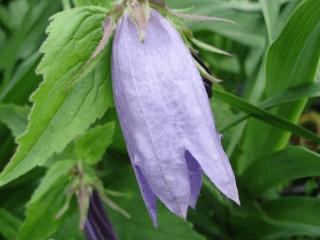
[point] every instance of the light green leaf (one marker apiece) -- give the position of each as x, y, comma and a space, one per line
60, 169
209, 48
40, 222
292, 61
139, 226
9, 224
102, 3
45, 203
15, 117
58, 116
296, 51
270, 9
249, 31
69, 229
91, 146
281, 167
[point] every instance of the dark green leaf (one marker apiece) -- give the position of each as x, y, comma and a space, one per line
265, 116
9, 224
291, 95
48, 199
281, 167
15, 117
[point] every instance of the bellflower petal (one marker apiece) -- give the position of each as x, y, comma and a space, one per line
166, 117
195, 175
147, 194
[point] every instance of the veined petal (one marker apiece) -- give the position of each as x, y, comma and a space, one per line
195, 175
147, 194
203, 141
166, 117
143, 94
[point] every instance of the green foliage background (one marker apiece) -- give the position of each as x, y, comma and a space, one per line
267, 109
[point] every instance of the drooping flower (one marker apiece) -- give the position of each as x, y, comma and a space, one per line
166, 117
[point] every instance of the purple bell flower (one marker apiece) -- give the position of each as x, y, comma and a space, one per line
166, 117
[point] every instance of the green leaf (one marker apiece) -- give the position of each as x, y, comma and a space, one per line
209, 48
58, 116
118, 143
292, 61
69, 229
270, 9
15, 117
300, 214
139, 226
282, 218
59, 170
45, 203
291, 95
293, 58
102, 3
12, 91
9, 224
250, 30
28, 35
91, 146
265, 116
281, 167
255, 227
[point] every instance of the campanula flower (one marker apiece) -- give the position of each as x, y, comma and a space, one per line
166, 117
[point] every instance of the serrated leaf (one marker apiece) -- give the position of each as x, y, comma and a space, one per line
102, 3
9, 224
91, 146
14, 117
58, 116
45, 203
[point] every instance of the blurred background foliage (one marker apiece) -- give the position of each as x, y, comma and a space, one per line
267, 108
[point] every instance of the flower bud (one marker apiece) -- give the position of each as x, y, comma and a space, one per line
98, 226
